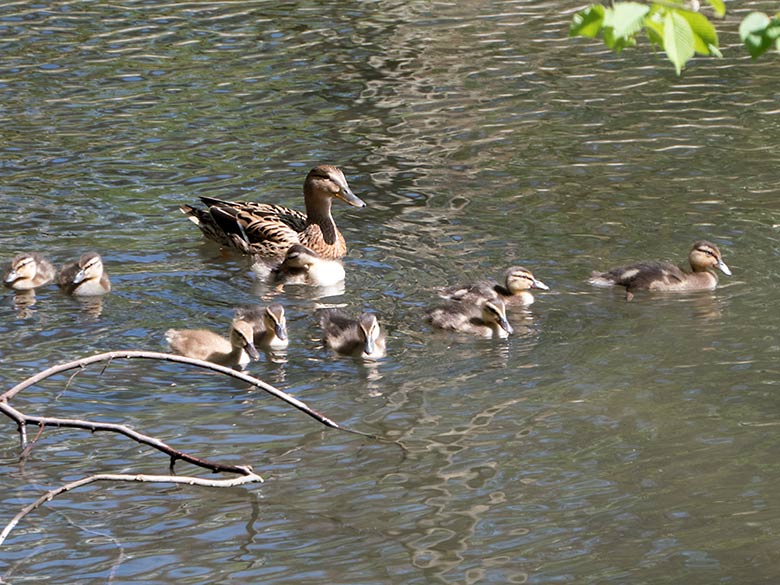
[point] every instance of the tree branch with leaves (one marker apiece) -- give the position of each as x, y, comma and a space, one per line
677, 27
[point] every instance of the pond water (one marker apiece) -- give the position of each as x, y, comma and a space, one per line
604, 442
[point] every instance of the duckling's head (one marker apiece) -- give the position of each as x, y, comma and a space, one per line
300, 257
494, 313
90, 267
328, 181
274, 320
242, 337
705, 255
23, 267
369, 330
519, 279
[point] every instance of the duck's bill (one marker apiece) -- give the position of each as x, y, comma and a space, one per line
506, 326
346, 195
252, 351
80, 275
540, 285
723, 268
11, 277
280, 331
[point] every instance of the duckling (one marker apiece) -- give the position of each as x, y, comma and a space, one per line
269, 326
28, 271
304, 266
663, 276
486, 317
515, 291
202, 344
86, 277
360, 337
267, 230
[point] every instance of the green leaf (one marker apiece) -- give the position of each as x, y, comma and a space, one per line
655, 31
753, 31
719, 6
615, 43
704, 33
715, 51
753, 23
626, 18
773, 31
588, 22
678, 40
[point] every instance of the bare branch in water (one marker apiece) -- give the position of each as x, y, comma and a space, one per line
50, 495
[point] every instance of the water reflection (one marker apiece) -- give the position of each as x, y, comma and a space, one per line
23, 302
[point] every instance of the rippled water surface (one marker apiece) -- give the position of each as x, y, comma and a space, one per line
605, 442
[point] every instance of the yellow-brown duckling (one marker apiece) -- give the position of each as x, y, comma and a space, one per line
235, 352
482, 317
267, 230
269, 325
664, 276
28, 271
304, 266
361, 337
87, 277
516, 290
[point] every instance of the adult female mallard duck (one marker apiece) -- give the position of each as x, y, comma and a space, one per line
359, 337
235, 352
28, 271
267, 231
269, 326
516, 290
87, 277
663, 276
483, 317
304, 266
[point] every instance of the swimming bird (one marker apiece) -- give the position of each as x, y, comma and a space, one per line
269, 325
514, 291
664, 276
482, 317
87, 277
361, 337
304, 266
28, 271
235, 352
267, 231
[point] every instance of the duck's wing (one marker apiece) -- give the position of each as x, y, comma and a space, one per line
643, 275
258, 228
483, 289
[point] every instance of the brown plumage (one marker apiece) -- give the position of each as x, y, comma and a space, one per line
664, 276
267, 230
28, 271
87, 277
359, 337
235, 352
482, 317
269, 325
514, 291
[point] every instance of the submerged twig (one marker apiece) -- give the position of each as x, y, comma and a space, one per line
50, 495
